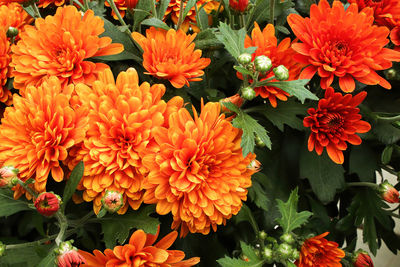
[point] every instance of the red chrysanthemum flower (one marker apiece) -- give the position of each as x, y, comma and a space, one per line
362, 259
38, 131
342, 43
198, 173
58, 46
122, 6
239, 5
121, 120
319, 252
282, 54
141, 252
47, 203
171, 55
335, 122
386, 12
68, 255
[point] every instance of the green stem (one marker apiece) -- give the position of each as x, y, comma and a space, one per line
264, 82
367, 184
62, 220
153, 9
251, 15
180, 18
389, 119
81, 221
38, 242
35, 10
241, 20
86, 3
27, 188
255, 80
76, 2
121, 20
272, 11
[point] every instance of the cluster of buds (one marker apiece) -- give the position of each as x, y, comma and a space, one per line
67, 255
7, 175
362, 259
388, 192
112, 201
275, 252
47, 203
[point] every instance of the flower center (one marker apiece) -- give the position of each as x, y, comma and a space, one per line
334, 121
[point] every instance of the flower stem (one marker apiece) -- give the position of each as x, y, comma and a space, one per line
367, 184
35, 10
271, 11
76, 2
153, 9
62, 220
86, 3
389, 119
27, 188
180, 19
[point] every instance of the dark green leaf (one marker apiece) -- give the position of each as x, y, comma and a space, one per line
156, 23
386, 132
291, 219
141, 12
324, 175
116, 227
203, 19
295, 88
26, 257
359, 155
258, 195
249, 252
285, 113
49, 260
386, 155
188, 6
206, 39
245, 215
72, 183
282, 29
163, 7
8, 205
232, 262
233, 40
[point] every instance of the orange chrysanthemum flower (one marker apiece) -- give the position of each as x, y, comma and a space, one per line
342, 43
5, 68
282, 54
170, 55
198, 173
141, 252
386, 12
46, 3
319, 252
13, 15
38, 131
335, 121
58, 46
122, 6
121, 118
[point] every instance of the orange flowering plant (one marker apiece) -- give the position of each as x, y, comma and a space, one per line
198, 133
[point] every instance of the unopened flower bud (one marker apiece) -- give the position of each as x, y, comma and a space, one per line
262, 235
262, 64
362, 259
281, 73
239, 5
47, 203
295, 254
248, 93
287, 238
268, 254
388, 192
112, 201
285, 250
7, 174
390, 74
67, 255
12, 32
259, 142
255, 166
244, 58
2, 249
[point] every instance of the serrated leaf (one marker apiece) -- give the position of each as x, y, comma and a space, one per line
249, 252
359, 155
206, 39
291, 219
9, 205
250, 128
284, 113
324, 175
295, 88
258, 195
156, 23
232, 262
233, 40
72, 183
116, 227
163, 7
188, 7
243, 70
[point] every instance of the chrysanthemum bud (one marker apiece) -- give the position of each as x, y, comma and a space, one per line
239, 5
362, 259
262, 64
262, 235
268, 254
281, 73
285, 250
7, 174
295, 254
391, 74
2, 249
237, 100
259, 142
388, 192
287, 238
112, 201
68, 255
255, 166
248, 93
12, 32
47, 203
244, 58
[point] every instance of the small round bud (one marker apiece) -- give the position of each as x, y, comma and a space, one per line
67, 255
248, 93
389, 193
7, 174
391, 74
259, 142
287, 238
268, 254
262, 235
244, 58
295, 254
262, 64
281, 73
2, 249
112, 201
285, 250
47, 203
12, 32
362, 259
255, 166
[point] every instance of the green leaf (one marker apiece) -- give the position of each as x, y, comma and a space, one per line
72, 183
233, 40
386, 132
9, 205
232, 262
249, 252
49, 260
203, 19
116, 227
156, 23
141, 12
285, 113
188, 7
258, 195
163, 7
206, 39
245, 215
26, 257
324, 175
250, 128
359, 155
243, 70
291, 219
387, 155
282, 29
295, 88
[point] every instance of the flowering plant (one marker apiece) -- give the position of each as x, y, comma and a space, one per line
261, 130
